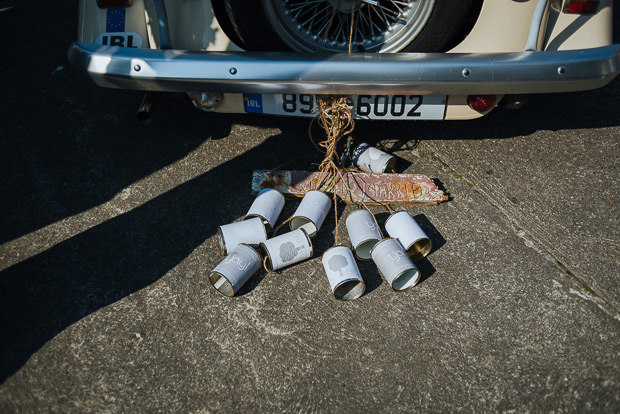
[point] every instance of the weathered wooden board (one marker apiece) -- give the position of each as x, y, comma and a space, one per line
355, 187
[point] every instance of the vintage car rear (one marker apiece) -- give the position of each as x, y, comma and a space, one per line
396, 59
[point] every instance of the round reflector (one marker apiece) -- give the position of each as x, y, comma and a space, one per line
481, 103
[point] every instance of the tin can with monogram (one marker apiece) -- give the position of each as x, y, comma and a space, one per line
267, 205
394, 264
232, 272
363, 232
311, 212
250, 232
286, 249
371, 159
404, 227
343, 274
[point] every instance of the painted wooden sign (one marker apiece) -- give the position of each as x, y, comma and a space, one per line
354, 187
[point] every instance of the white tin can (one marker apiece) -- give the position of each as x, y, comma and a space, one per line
363, 232
267, 205
311, 212
394, 264
287, 249
343, 274
402, 226
371, 159
232, 272
250, 232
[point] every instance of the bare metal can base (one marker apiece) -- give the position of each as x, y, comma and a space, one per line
343, 274
232, 272
394, 264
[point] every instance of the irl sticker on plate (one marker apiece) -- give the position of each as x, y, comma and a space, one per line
253, 103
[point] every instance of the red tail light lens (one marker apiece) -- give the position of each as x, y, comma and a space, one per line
104, 4
481, 103
581, 6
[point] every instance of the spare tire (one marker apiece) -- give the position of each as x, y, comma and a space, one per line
325, 25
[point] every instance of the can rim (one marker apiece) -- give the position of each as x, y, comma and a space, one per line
333, 247
265, 221
369, 252
423, 253
290, 225
262, 226
417, 279
391, 163
227, 281
223, 249
267, 261
309, 241
353, 279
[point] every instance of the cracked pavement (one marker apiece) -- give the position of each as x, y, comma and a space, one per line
108, 234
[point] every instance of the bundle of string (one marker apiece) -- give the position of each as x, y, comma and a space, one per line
336, 118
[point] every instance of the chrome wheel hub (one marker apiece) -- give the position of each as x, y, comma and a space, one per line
325, 25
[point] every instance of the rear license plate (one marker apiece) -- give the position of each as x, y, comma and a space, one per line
365, 106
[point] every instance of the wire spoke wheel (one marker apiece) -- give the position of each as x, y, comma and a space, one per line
325, 25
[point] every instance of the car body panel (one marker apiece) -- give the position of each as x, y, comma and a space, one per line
502, 27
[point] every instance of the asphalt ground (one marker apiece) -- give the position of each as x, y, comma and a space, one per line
108, 233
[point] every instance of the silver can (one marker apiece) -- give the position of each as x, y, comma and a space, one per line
402, 226
250, 232
232, 272
311, 212
363, 232
394, 264
267, 205
343, 274
371, 159
286, 249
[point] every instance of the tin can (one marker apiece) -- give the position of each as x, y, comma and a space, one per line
232, 272
311, 212
371, 159
286, 249
343, 274
250, 232
267, 205
363, 232
394, 264
402, 226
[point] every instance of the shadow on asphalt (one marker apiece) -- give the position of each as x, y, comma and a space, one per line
45, 294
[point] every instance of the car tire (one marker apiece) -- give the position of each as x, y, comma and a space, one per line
269, 25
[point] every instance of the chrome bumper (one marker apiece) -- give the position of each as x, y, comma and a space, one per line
341, 73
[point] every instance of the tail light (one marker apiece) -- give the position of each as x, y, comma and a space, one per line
481, 103
104, 4
581, 6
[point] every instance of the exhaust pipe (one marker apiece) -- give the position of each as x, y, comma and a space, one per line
145, 111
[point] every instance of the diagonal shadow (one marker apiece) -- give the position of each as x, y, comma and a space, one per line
45, 294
